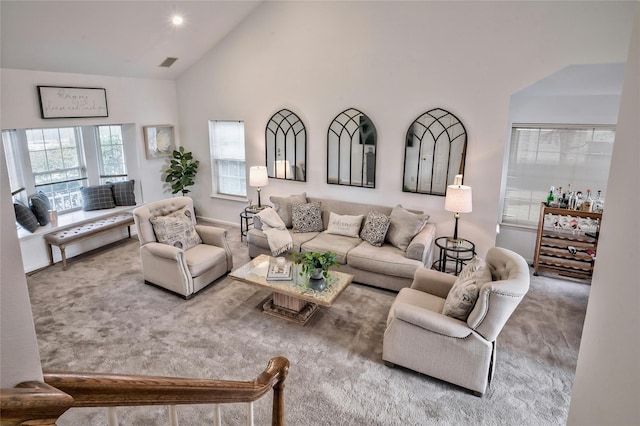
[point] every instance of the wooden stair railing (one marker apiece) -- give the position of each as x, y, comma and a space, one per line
32, 403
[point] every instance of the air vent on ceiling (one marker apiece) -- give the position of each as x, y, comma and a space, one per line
168, 62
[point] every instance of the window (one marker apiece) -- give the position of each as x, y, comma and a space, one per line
60, 161
113, 167
57, 165
545, 156
227, 157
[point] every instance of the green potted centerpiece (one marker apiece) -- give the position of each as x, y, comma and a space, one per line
182, 171
315, 267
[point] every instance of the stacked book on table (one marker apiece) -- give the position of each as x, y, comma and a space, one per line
277, 272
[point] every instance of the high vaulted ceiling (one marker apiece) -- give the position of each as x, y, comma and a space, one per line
115, 38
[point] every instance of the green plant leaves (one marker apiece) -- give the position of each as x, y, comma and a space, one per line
182, 171
313, 260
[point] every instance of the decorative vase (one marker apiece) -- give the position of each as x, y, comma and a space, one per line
316, 274
318, 285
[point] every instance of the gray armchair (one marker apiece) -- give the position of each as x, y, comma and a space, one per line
420, 337
184, 272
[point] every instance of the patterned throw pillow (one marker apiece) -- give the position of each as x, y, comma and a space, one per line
123, 193
307, 217
375, 228
464, 293
404, 226
344, 224
25, 217
97, 197
284, 206
40, 206
176, 229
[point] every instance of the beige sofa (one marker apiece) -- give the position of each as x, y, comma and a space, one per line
420, 337
386, 267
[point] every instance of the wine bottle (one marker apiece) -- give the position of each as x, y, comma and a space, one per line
550, 197
587, 204
598, 203
579, 201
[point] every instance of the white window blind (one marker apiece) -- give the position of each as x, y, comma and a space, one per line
545, 156
228, 157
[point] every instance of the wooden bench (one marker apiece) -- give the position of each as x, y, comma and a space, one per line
76, 233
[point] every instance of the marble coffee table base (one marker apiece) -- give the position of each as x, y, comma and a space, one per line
289, 308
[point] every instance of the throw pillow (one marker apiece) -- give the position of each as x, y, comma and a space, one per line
40, 206
284, 206
344, 224
123, 193
25, 216
176, 229
97, 197
307, 217
375, 228
404, 226
464, 293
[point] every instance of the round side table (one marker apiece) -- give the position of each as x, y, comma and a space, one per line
458, 251
246, 218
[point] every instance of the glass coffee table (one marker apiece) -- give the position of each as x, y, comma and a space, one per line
293, 299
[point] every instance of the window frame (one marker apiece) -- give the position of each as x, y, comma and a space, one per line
89, 154
217, 157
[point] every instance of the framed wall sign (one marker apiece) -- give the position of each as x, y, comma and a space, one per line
159, 141
72, 102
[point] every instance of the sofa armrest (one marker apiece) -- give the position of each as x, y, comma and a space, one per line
212, 235
257, 223
422, 244
433, 282
163, 250
432, 321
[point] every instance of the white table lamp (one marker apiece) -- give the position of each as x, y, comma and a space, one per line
458, 200
258, 177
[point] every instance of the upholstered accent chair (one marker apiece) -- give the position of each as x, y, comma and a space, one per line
182, 265
419, 337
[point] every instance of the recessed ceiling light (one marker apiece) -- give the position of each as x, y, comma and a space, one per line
177, 20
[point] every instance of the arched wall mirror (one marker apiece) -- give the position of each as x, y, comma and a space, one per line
435, 150
351, 150
286, 146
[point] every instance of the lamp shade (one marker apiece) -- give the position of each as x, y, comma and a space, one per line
458, 199
258, 176
282, 168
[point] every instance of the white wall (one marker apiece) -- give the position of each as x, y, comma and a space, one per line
577, 108
19, 355
130, 100
607, 381
133, 102
393, 61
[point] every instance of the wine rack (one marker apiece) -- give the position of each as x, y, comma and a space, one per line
567, 242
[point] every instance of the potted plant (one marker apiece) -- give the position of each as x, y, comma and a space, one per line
315, 265
182, 171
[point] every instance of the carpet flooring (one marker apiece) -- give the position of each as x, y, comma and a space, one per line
99, 316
